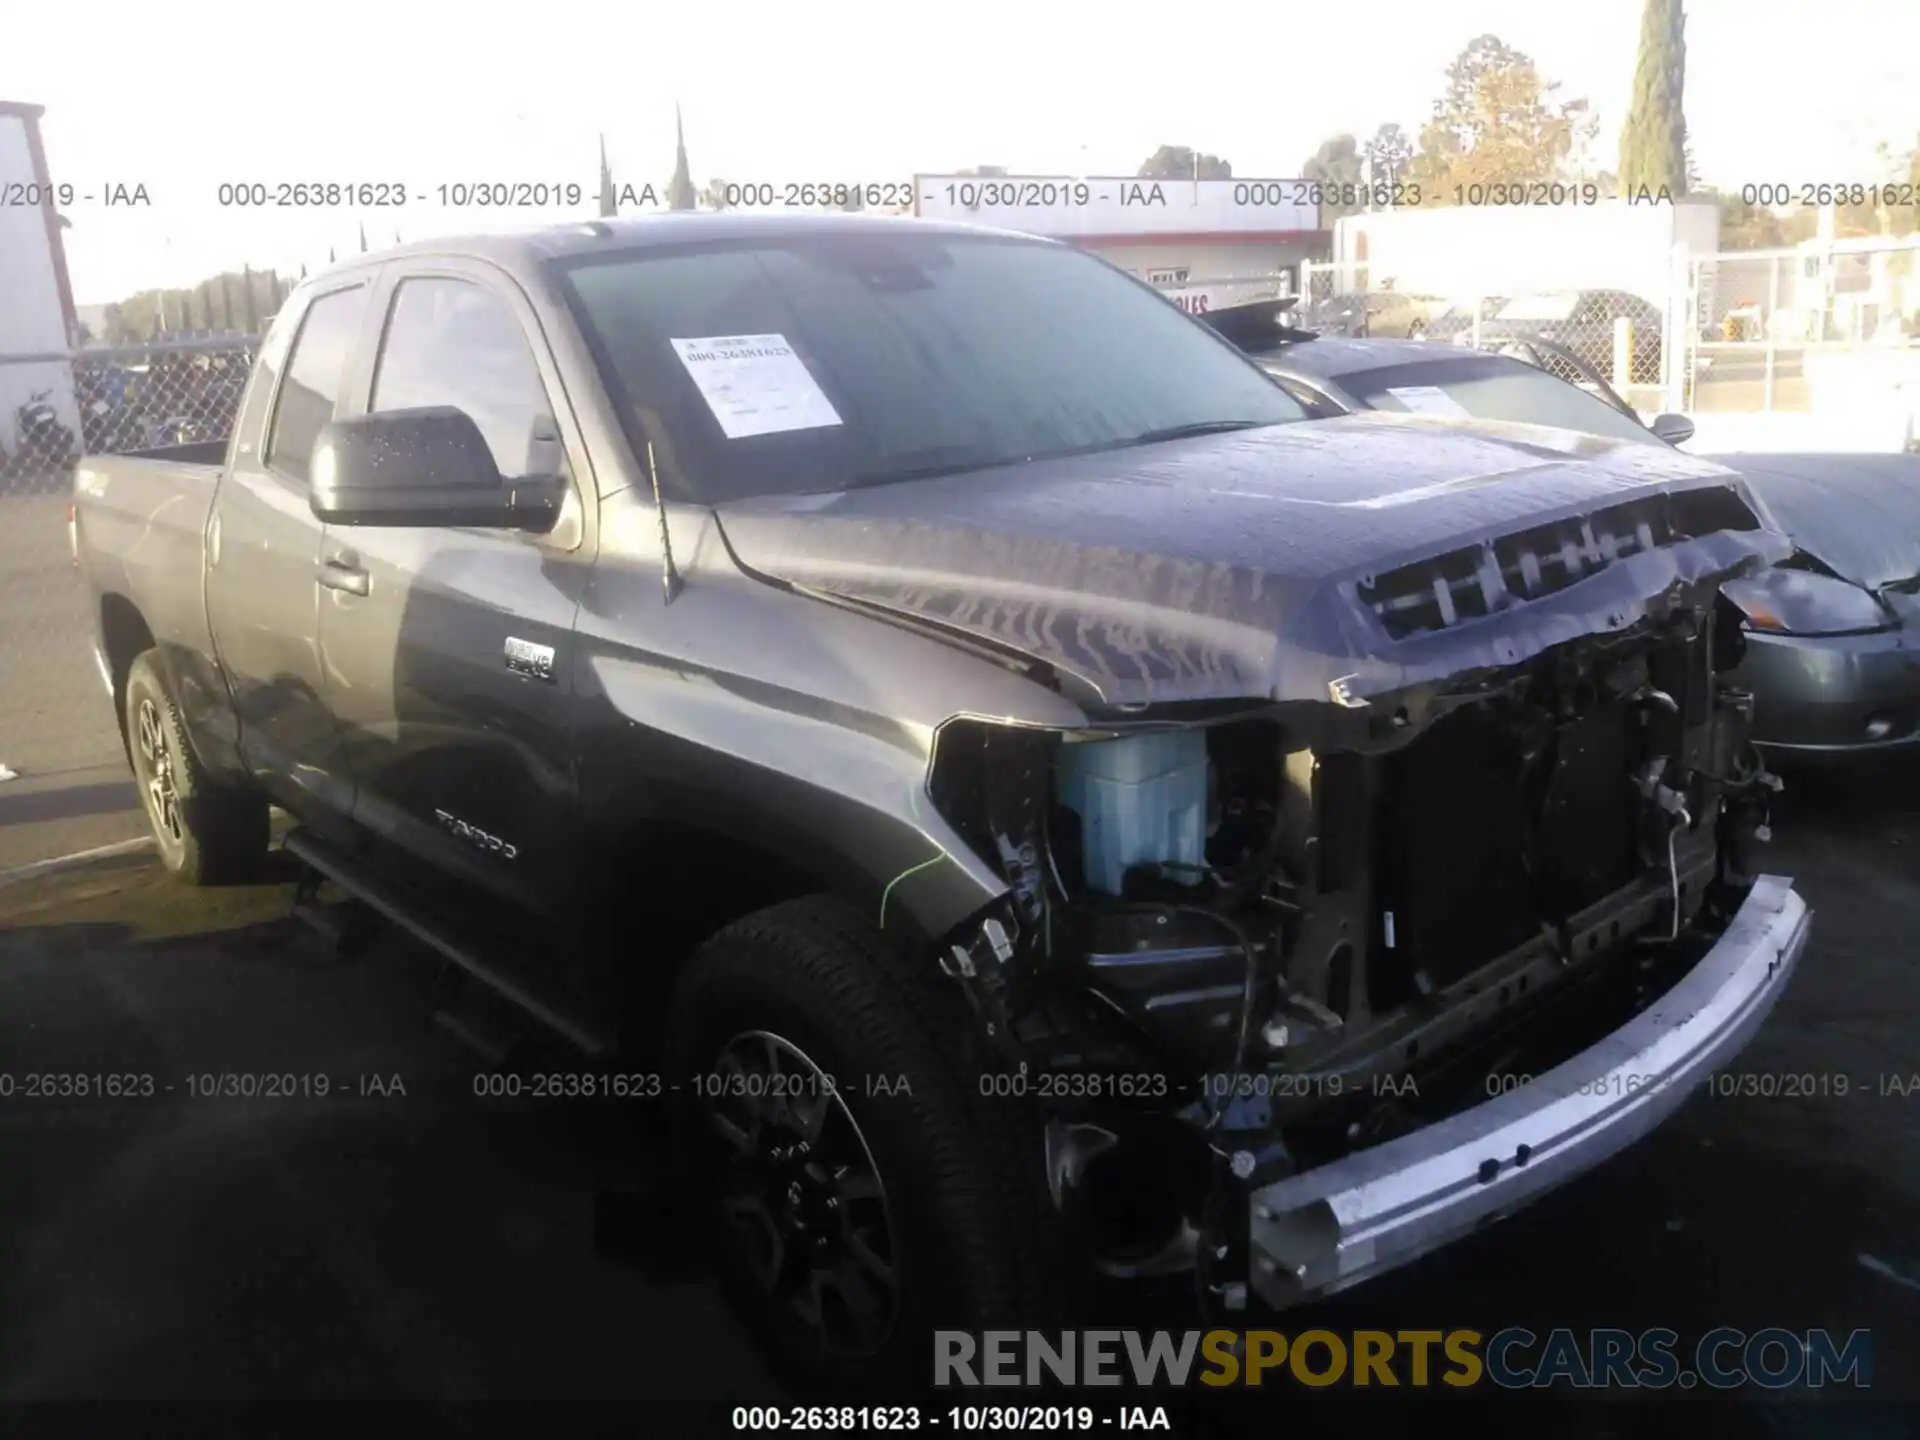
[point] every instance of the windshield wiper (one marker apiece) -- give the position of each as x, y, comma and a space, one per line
1197, 427
927, 463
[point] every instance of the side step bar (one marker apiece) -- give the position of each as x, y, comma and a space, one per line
342, 869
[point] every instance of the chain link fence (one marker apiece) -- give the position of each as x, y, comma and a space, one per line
1804, 329
1830, 327
1621, 335
54, 718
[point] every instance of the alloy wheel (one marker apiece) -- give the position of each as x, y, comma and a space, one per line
156, 774
802, 1200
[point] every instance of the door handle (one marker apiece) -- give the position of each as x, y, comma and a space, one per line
340, 573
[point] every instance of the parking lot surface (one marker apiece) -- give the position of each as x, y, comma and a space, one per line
402, 1238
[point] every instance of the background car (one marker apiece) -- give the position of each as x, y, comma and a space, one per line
1583, 321
1455, 322
1386, 314
1832, 634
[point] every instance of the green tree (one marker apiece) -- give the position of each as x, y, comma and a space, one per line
1388, 154
608, 209
1894, 169
1338, 162
1178, 162
1498, 122
1744, 226
1798, 224
680, 191
218, 302
1905, 219
1653, 142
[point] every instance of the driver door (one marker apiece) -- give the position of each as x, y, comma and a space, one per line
263, 544
459, 742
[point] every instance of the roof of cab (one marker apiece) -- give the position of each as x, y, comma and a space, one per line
523, 250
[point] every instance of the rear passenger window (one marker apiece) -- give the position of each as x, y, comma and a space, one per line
311, 390
449, 342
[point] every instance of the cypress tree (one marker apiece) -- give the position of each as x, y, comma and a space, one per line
1653, 142
608, 207
680, 193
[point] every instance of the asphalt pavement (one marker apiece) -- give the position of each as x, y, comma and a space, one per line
58, 738
401, 1240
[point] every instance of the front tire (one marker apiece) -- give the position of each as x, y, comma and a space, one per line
206, 833
853, 1218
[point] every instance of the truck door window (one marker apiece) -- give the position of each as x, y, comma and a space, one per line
311, 390
449, 342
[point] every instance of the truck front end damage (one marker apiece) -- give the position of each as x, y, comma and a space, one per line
1308, 983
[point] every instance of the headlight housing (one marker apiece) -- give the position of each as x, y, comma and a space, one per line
1786, 601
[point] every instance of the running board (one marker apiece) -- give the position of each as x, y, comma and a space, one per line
339, 867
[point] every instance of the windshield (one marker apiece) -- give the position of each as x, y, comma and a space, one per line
820, 363
1540, 307
1491, 387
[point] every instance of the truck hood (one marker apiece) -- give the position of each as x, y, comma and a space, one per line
1327, 560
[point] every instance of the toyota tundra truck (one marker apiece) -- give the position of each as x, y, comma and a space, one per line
1048, 814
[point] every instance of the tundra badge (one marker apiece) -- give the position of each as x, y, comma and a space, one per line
526, 658
475, 836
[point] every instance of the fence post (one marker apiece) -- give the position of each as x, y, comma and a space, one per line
1681, 324
1622, 352
1773, 310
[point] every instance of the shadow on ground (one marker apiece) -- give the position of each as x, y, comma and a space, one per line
294, 1192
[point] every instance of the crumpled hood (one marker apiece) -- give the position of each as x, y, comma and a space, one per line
1253, 565
1859, 514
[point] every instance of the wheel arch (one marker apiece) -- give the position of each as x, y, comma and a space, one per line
124, 637
675, 882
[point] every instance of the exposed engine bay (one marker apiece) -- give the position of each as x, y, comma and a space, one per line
1265, 938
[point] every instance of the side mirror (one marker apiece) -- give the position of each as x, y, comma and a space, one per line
424, 467
1674, 429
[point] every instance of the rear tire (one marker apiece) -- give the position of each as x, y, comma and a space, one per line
206, 833
943, 1188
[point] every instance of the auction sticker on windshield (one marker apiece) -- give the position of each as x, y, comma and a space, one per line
1430, 400
755, 384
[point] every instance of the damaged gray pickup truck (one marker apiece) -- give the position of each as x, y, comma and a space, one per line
1040, 807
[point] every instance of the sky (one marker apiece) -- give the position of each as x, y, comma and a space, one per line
182, 99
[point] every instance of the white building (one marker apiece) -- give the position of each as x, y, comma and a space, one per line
1207, 242
1467, 250
36, 302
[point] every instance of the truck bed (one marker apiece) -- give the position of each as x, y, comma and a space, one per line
140, 533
